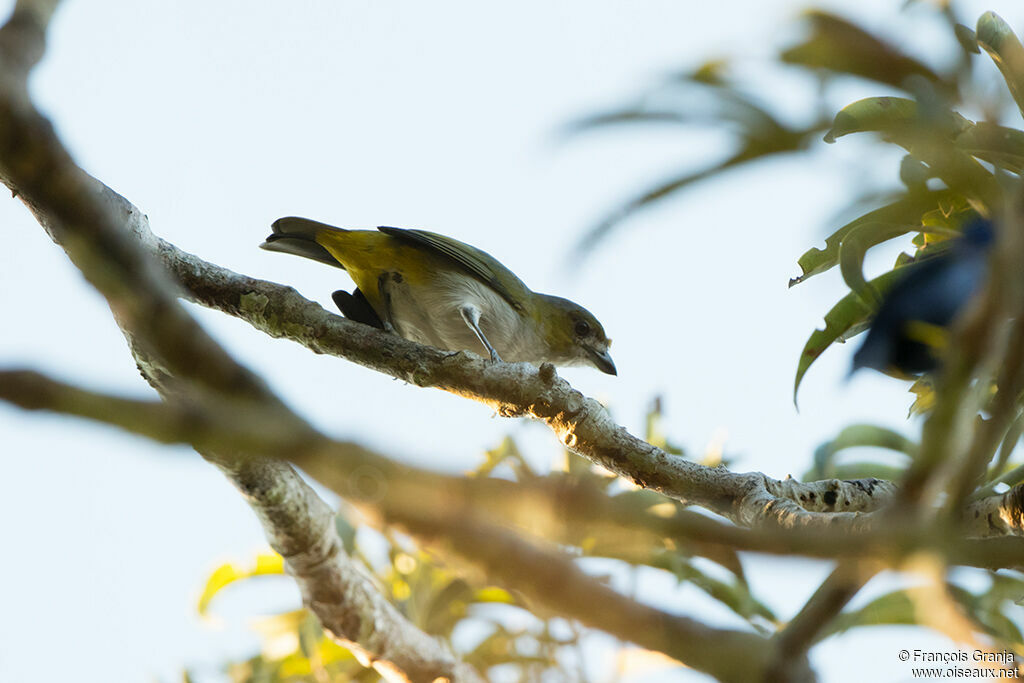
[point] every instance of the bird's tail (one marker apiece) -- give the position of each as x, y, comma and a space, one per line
298, 236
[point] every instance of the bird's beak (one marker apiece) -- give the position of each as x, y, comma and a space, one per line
602, 360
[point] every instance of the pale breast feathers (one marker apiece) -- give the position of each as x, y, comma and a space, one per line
445, 328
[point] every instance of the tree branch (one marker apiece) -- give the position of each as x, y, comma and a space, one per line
553, 508
520, 390
825, 605
299, 526
556, 582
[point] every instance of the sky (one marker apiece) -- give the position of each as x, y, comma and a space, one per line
215, 118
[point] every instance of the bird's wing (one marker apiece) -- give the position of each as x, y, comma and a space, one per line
477, 263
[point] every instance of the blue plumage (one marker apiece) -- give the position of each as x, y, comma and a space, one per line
928, 296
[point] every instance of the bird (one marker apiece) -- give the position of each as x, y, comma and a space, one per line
909, 330
436, 290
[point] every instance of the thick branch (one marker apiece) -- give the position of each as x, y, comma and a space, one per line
558, 509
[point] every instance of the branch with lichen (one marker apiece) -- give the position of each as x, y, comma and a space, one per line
557, 509
467, 516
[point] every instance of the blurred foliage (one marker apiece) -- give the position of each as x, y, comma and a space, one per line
713, 95
952, 163
827, 466
952, 168
490, 627
295, 649
994, 611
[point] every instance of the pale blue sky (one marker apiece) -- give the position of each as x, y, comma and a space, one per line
215, 118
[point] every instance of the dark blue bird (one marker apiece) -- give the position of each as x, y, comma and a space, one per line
910, 324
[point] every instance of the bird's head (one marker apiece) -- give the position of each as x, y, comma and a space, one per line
572, 334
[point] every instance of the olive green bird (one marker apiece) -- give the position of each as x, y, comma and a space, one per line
436, 290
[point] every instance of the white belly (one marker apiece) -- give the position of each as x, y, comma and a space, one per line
430, 315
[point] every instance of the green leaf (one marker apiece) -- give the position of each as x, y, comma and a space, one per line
998, 145
914, 174
853, 249
1006, 587
967, 38
229, 572
897, 118
1005, 49
493, 594
847, 318
711, 72
861, 435
1002, 471
637, 115
879, 114
735, 595
837, 45
928, 131
924, 396
310, 634
861, 469
889, 609
986, 608
901, 214
899, 608
1010, 441
858, 436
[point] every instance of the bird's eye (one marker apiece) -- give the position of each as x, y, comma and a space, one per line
582, 328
